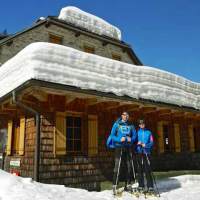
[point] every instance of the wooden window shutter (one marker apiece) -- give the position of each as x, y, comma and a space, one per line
89, 49
191, 137
116, 57
55, 39
9, 139
60, 135
160, 137
92, 135
22, 135
177, 138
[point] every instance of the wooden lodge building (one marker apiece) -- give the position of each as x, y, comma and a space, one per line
56, 133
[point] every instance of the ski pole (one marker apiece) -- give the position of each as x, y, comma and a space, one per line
118, 167
133, 168
152, 175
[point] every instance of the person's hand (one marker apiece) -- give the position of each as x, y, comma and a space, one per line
143, 145
128, 139
139, 143
123, 139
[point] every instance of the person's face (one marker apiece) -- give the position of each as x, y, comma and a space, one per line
125, 116
142, 126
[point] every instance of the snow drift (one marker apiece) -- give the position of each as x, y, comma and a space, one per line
89, 22
65, 65
17, 188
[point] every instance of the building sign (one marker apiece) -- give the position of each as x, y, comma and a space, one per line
15, 163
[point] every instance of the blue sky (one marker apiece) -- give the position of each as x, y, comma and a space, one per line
164, 34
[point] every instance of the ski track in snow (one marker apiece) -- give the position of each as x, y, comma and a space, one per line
17, 188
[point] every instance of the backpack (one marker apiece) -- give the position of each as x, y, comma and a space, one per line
110, 143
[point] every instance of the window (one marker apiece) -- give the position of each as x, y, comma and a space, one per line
73, 134
55, 39
89, 49
196, 140
116, 57
3, 139
166, 138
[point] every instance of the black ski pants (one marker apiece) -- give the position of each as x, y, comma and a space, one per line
143, 167
123, 156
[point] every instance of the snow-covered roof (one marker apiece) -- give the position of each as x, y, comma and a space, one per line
65, 65
89, 22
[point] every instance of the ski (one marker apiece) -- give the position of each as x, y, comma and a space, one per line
118, 192
145, 194
148, 194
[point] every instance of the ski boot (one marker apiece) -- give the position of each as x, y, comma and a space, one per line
138, 191
128, 188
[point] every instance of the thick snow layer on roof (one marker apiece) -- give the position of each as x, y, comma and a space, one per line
17, 188
88, 21
65, 65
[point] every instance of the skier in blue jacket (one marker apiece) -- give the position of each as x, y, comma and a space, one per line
123, 135
143, 150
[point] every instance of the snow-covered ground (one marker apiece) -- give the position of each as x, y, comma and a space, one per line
68, 66
16, 188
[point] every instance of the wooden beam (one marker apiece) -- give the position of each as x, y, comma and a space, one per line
164, 111
132, 107
191, 115
8, 107
41, 96
69, 99
149, 109
176, 113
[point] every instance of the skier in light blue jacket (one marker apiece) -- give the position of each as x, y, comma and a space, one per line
143, 150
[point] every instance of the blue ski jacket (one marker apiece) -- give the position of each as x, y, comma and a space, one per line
121, 129
144, 136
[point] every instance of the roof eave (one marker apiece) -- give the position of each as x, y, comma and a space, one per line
39, 83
